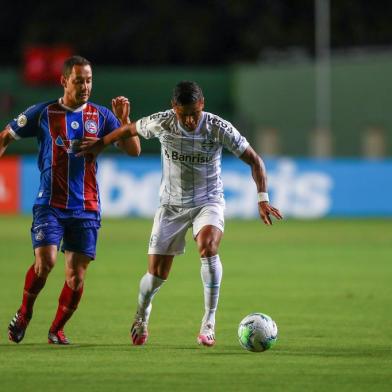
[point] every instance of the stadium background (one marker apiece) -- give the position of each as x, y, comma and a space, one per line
293, 95
318, 111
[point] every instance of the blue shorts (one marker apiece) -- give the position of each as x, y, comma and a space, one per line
78, 230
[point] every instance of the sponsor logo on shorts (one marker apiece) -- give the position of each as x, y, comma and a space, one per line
153, 240
35, 228
39, 236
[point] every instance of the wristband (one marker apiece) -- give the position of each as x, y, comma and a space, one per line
262, 196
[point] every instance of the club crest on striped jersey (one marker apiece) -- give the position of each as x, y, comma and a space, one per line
91, 127
74, 125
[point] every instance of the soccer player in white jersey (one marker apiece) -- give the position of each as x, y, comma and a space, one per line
191, 196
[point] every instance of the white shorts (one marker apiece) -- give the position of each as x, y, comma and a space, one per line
172, 223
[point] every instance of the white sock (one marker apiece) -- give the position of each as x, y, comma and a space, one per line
149, 286
211, 275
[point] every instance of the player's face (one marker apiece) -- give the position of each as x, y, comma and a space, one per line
189, 115
77, 86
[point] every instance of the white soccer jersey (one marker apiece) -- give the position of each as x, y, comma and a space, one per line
191, 161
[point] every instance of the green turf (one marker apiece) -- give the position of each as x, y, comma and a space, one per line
327, 284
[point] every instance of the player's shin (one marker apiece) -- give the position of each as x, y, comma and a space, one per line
33, 285
68, 303
211, 276
149, 286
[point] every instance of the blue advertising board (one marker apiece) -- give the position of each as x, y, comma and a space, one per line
300, 188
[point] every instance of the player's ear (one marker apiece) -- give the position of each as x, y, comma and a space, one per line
63, 81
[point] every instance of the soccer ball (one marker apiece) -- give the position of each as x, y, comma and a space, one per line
257, 332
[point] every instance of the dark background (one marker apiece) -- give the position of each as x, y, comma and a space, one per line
175, 32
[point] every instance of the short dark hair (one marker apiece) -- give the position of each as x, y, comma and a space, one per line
187, 92
70, 62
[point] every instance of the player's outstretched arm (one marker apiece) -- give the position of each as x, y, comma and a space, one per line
93, 147
259, 175
126, 136
5, 140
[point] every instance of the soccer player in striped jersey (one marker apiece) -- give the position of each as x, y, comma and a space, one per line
67, 206
191, 196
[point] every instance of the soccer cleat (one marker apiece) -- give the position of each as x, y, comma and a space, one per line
139, 332
17, 327
207, 335
57, 338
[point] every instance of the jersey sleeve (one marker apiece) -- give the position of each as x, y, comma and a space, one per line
234, 141
152, 126
111, 122
27, 123
229, 136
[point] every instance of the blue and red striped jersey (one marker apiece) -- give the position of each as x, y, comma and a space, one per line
67, 181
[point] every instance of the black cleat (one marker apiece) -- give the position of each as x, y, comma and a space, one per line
17, 327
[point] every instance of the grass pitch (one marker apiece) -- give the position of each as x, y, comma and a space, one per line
327, 284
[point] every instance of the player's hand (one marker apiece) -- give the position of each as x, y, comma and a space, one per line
90, 148
5, 139
121, 108
266, 210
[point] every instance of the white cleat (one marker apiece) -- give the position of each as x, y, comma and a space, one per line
206, 336
139, 332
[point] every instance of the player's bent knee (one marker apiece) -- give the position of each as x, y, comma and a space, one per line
43, 266
75, 282
209, 249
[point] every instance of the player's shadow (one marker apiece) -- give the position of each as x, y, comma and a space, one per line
371, 352
45, 347
72, 346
